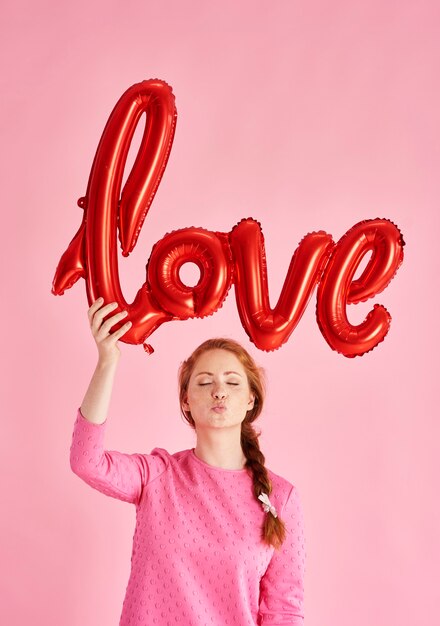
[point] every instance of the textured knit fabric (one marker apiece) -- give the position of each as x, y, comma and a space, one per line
198, 558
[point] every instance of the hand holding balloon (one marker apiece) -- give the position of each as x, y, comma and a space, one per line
95, 404
101, 325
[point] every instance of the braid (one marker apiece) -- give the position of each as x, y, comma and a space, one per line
273, 531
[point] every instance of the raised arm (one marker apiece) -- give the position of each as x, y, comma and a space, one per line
96, 401
114, 473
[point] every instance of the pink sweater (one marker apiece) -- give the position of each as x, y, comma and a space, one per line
197, 559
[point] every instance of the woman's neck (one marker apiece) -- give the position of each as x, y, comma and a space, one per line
220, 450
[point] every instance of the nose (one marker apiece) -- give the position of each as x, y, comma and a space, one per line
219, 391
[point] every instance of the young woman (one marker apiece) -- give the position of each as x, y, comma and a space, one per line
219, 538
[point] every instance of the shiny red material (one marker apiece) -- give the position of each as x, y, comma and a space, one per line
222, 258
210, 252
337, 287
269, 328
92, 254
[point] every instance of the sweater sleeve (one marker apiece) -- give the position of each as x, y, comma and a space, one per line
282, 586
115, 474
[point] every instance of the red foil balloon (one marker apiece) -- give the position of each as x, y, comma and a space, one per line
269, 328
337, 288
92, 254
222, 258
212, 255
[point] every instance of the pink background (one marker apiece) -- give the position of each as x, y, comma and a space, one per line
306, 116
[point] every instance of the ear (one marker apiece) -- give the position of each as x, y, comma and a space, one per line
185, 404
251, 402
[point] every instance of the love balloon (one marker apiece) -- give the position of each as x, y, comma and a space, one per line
223, 258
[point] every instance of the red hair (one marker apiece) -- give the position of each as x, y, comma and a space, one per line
273, 531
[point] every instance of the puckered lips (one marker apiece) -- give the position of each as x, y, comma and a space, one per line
218, 407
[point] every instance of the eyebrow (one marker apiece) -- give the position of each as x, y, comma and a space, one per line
211, 374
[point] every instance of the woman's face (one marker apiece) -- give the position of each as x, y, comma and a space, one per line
218, 393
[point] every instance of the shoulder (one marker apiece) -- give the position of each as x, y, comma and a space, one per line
279, 481
160, 461
170, 455
169, 458
283, 491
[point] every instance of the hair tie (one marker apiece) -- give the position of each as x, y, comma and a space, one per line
267, 506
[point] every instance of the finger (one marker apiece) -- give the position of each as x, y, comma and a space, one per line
100, 314
114, 337
94, 307
111, 321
